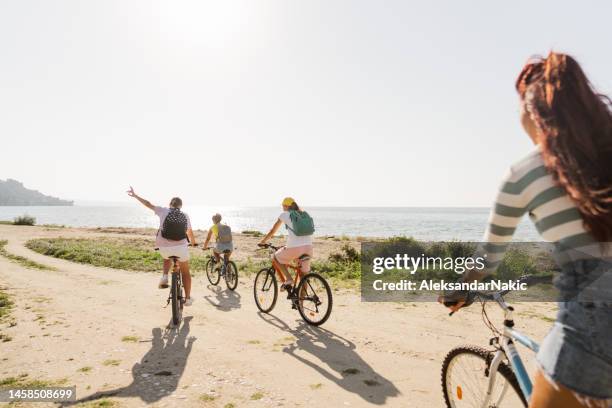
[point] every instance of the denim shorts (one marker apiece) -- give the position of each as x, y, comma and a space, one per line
220, 247
577, 353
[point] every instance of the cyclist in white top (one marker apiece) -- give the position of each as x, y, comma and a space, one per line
169, 247
295, 247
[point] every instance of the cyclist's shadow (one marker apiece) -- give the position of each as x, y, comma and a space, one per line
348, 369
225, 300
163, 364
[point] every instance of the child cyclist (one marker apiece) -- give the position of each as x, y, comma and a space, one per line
300, 230
223, 239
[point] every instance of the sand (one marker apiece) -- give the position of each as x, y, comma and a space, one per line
367, 354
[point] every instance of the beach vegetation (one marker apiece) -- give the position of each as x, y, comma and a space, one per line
24, 220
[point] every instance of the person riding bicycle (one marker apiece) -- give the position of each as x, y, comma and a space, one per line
223, 239
565, 185
300, 229
171, 239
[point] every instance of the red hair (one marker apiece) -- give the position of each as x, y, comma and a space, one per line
575, 127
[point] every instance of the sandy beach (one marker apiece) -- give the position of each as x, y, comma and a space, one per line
105, 331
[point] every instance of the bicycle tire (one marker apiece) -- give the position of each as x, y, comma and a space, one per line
305, 284
453, 395
231, 278
212, 273
176, 300
267, 280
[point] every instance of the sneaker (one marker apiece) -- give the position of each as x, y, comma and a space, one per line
188, 302
163, 282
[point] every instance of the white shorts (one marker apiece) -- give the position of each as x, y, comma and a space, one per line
181, 251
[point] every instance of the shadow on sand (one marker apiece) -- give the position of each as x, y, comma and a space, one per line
345, 367
160, 369
225, 300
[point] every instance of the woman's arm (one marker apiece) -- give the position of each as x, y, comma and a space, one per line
270, 234
192, 239
144, 202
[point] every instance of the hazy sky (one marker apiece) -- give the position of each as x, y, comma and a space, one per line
392, 103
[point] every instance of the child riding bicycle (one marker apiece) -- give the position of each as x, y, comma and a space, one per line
223, 239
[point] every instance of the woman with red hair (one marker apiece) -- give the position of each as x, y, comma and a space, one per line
565, 185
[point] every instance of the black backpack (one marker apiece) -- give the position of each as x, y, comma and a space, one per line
175, 225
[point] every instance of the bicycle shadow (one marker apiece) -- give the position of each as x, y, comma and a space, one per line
225, 300
163, 365
346, 367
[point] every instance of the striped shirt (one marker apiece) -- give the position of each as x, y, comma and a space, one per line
529, 188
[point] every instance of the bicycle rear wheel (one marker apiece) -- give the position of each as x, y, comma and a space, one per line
231, 275
465, 380
314, 299
212, 273
265, 290
176, 297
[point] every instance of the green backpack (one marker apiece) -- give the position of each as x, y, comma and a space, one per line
302, 223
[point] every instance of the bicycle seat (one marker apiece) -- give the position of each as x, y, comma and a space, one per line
304, 257
227, 251
174, 258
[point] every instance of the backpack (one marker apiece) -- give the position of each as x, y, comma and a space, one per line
302, 223
175, 225
224, 234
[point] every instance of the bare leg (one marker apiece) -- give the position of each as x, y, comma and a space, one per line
186, 278
281, 270
549, 395
167, 265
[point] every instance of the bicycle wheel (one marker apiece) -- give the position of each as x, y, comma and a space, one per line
212, 273
176, 296
265, 290
314, 299
231, 275
465, 380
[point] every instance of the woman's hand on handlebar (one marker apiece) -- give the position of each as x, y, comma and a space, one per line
454, 300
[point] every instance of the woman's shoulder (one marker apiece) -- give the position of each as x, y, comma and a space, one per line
531, 162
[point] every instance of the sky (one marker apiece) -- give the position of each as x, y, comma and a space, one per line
336, 103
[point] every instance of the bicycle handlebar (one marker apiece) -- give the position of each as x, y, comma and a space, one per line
266, 246
472, 295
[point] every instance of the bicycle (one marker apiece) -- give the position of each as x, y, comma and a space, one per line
470, 373
228, 270
305, 294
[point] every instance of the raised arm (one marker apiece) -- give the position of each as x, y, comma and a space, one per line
144, 202
270, 234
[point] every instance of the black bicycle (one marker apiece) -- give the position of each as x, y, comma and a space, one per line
227, 269
310, 294
177, 294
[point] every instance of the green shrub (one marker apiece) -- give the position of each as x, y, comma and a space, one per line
253, 233
24, 220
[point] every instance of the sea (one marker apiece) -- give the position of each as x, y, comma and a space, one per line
423, 223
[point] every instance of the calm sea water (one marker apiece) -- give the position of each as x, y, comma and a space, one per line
421, 223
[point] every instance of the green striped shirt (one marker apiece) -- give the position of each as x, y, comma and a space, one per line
528, 188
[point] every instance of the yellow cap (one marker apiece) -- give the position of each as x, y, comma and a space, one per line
288, 201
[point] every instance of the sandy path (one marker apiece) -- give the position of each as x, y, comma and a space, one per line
367, 354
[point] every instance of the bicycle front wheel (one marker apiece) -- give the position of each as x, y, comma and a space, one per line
212, 273
314, 299
465, 380
265, 290
231, 275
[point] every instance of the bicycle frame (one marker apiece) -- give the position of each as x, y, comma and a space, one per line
507, 348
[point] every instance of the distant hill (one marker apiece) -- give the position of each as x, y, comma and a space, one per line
12, 192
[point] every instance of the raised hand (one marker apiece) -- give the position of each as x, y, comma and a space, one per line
131, 192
